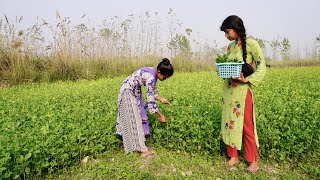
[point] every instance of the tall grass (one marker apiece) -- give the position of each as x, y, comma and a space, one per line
295, 62
17, 69
61, 51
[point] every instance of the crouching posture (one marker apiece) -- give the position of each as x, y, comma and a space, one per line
132, 124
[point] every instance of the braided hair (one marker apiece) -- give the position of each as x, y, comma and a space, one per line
236, 23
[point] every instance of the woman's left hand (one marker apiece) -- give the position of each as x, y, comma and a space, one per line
241, 79
161, 117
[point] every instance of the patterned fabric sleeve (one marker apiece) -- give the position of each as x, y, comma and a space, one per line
151, 92
257, 56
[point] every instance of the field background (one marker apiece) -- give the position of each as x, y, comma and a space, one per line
47, 129
59, 86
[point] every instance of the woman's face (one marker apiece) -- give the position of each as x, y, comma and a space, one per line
231, 34
160, 76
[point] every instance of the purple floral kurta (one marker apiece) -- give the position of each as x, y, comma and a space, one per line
131, 116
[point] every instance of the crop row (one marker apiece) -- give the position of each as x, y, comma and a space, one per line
49, 126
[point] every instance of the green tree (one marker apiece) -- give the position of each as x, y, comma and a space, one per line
285, 48
275, 44
180, 44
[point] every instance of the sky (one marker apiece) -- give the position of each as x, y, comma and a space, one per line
299, 21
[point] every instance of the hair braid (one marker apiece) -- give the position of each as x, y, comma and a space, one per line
244, 45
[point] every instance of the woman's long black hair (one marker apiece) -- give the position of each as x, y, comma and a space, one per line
165, 67
236, 23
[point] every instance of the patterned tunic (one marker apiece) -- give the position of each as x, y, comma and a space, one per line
234, 93
130, 110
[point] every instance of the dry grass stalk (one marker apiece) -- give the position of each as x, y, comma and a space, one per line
16, 44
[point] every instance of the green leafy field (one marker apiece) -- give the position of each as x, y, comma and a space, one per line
48, 127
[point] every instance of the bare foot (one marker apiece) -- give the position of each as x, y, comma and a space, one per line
146, 154
151, 150
232, 161
253, 167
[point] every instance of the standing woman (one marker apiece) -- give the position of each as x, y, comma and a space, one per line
238, 119
131, 116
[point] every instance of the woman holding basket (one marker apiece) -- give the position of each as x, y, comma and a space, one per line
238, 119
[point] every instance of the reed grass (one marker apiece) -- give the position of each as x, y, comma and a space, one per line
62, 51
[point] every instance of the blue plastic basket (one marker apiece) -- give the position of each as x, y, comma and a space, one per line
229, 70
